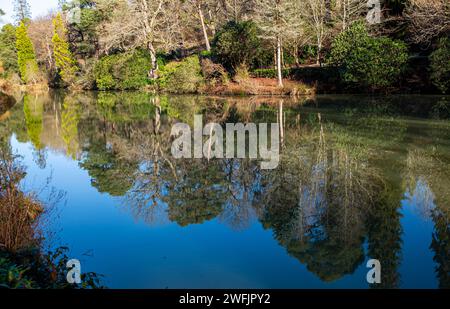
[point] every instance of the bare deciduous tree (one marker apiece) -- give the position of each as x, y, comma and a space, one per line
315, 14
279, 20
135, 23
427, 19
347, 11
40, 31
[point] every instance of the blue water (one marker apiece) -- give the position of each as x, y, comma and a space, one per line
107, 239
104, 234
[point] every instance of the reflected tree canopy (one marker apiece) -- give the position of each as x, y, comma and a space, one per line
333, 202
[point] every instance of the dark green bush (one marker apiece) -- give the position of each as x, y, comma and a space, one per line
236, 43
366, 61
33, 269
8, 53
270, 73
440, 65
213, 73
306, 74
123, 71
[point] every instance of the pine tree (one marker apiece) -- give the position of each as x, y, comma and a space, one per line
65, 63
22, 10
26, 58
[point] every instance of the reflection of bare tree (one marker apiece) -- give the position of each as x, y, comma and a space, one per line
151, 148
429, 180
319, 199
242, 186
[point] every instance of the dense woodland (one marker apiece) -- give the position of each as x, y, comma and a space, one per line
226, 46
199, 46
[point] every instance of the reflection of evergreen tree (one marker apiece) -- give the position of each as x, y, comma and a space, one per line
13, 121
384, 232
125, 107
109, 173
318, 199
328, 256
199, 194
440, 245
6, 104
69, 125
33, 110
107, 135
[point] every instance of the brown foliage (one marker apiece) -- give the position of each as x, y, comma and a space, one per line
214, 73
427, 19
19, 212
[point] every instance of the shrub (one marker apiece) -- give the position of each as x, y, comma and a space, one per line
270, 73
367, 61
181, 77
440, 65
305, 74
213, 73
241, 74
123, 71
33, 269
236, 43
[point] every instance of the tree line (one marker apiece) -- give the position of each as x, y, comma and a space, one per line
119, 44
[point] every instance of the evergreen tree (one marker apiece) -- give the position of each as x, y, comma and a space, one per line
22, 10
26, 58
65, 63
8, 53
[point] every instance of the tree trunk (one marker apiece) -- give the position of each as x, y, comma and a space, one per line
279, 71
152, 74
344, 18
281, 122
213, 24
319, 49
205, 33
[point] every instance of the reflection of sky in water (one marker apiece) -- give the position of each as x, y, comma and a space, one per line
133, 254
417, 229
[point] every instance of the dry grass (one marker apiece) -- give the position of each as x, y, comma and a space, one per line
19, 213
13, 84
261, 86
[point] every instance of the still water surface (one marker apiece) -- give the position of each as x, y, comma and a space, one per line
359, 178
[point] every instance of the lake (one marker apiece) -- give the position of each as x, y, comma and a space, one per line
359, 178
